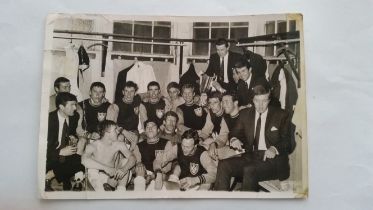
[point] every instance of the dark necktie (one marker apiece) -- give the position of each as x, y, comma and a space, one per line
257, 132
64, 135
222, 70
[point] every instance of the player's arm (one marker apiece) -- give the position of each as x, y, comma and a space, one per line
89, 162
210, 166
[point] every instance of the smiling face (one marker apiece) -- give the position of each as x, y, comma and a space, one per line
173, 93
188, 95
222, 50
187, 145
151, 130
243, 73
97, 94
170, 124
214, 105
261, 102
129, 93
153, 92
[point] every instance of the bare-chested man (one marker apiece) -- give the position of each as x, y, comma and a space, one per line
107, 168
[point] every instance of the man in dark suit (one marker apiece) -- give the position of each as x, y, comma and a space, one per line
63, 148
221, 65
265, 145
247, 80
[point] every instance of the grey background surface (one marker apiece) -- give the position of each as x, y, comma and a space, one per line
338, 49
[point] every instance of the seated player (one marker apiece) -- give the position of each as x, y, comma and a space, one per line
263, 132
63, 148
108, 160
173, 100
168, 129
220, 149
191, 116
146, 153
196, 166
92, 111
214, 129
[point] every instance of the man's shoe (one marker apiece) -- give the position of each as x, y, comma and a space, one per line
48, 185
108, 187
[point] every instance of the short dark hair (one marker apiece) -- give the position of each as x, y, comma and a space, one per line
215, 94
98, 84
172, 114
60, 80
241, 63
191, 134
173, 85
261, 89
104, 126
153, 83
222, 41
185, 86
149, 121
233, 94
62, 98
131, 84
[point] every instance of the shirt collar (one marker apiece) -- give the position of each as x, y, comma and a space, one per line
264, 114
62, 118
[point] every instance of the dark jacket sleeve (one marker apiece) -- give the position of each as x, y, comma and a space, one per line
210, 68
282, 146
52, 141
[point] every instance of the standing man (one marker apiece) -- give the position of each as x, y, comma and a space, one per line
221, 65
63, 148
61, 84
266, 140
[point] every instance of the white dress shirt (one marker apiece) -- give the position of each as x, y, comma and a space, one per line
225, 67
61, 121
248, 81
262, 143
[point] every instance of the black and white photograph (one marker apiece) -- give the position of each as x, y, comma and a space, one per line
173, 107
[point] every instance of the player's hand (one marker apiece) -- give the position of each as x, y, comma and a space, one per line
140, 170
212, 151
235, 144
187, 183
67, 151
269, 153
119, 174
198, 111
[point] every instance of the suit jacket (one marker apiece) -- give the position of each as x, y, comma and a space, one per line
245, 94
257, 63
276, 134
214, 68
53, 127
